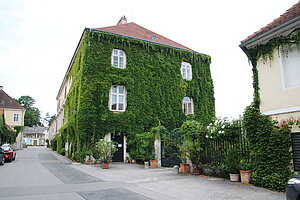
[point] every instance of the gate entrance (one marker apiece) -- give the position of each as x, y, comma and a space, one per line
171, 148
118, 138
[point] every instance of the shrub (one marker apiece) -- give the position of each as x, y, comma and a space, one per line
270, 154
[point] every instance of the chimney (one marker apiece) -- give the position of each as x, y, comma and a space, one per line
1, 87
123, 20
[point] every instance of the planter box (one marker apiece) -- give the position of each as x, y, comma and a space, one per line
105, 165
245, 176
234, 177
153, 163
184, 168
89, 162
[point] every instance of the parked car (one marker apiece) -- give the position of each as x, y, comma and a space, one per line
293, 188
9, 153
2, 157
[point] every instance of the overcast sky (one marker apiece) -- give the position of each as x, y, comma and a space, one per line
38, 39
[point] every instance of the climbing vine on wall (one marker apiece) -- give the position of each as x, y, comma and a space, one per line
153, 83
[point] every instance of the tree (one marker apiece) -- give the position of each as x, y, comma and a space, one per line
32, 114
47, 120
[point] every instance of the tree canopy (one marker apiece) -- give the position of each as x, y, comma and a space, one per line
32, 114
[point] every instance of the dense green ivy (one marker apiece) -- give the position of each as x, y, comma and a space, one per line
153, 82
269, 146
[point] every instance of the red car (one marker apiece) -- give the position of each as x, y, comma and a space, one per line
9, 153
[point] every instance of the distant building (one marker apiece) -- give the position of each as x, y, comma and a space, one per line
35, 136
13, 113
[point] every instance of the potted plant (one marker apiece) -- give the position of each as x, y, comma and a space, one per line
191, 150
245, 171
232, 166
105, 149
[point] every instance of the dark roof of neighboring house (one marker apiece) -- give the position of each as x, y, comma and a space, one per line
290, 14
136, 31
34, 130
7, 102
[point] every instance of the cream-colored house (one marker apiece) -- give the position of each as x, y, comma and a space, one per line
274, 52
35, 136
13, 113
278, 74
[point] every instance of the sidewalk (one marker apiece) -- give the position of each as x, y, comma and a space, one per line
163, 184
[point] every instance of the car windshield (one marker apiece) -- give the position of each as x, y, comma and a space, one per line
5, 148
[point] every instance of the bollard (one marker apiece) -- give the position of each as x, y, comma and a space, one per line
176, 169
146, 165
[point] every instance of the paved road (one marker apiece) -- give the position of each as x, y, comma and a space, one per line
38, 173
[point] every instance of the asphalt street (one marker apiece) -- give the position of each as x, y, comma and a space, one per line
39, 173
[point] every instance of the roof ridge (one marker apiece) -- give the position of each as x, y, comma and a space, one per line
288, 15
128, 30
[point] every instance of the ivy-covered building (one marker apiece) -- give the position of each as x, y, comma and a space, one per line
124, 80
274, 55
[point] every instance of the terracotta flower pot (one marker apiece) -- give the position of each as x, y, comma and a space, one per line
234, 177
245, 176
184, 168
153, 163
105, 165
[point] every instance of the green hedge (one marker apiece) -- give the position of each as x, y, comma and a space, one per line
270, 154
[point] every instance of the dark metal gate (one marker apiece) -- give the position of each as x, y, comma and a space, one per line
119, 154
170, 146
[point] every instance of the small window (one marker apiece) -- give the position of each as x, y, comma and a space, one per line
118, 58
186, 70
117, 98
290, 67
16, 117
188, 105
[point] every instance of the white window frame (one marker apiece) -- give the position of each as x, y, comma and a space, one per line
188, 105
186, 70
115, 93
283, 57
118, 58
16, 117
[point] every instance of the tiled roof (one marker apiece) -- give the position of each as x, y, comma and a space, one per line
291, 13
7, 102
136, 31
34, 130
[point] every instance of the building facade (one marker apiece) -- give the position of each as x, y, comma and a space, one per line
13, 114
274, 54
124, 80
35, 136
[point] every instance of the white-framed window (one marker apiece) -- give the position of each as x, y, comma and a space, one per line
186, 70
118, 58
117, 101
188, 105
290, 67
16, 117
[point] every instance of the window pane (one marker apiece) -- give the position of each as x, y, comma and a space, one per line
188, 72
121, 99
114, 89
121, 89
115, 52
114, 99
121, 106
115, 61
189, 105
114, 106
121, 53
121, 64
183, 73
